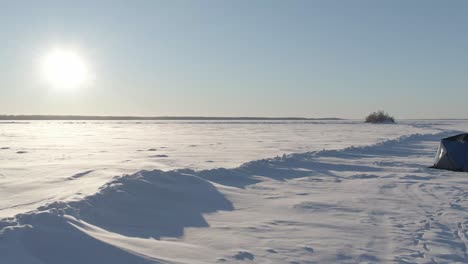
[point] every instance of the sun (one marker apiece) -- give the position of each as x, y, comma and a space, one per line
64, 69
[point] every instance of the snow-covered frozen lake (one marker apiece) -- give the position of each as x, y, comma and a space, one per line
206, 192
39, 158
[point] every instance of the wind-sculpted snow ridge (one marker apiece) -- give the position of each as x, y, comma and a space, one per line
148, 204
373, 204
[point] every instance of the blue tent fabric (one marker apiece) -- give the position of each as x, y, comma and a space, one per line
453, 153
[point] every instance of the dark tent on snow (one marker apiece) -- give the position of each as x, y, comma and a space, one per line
453, 153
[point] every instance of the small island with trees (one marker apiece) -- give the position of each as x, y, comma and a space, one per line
380, 117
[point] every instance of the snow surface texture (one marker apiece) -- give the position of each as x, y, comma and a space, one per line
369, 204
38, 159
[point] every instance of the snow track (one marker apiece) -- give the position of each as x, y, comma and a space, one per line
373, 204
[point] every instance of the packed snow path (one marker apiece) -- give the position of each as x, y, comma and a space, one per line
375, 204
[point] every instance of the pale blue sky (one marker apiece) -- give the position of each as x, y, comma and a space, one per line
241, 58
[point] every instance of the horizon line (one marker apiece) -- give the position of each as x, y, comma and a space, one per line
110, 117
201, 118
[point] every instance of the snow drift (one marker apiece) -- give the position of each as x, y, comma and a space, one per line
158, 205
148, 204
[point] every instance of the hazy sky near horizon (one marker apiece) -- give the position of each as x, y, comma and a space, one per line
240, 58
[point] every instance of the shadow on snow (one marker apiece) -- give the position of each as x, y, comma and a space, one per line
155, 204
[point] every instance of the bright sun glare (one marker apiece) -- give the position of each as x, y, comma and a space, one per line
64, 69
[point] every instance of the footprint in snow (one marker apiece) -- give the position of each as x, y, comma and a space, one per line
309, 249
414, 177
159, 156
79, 175
364, 176
243, 255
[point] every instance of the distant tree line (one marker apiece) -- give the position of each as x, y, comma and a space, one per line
72, 117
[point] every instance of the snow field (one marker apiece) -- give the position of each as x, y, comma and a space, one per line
378, 203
